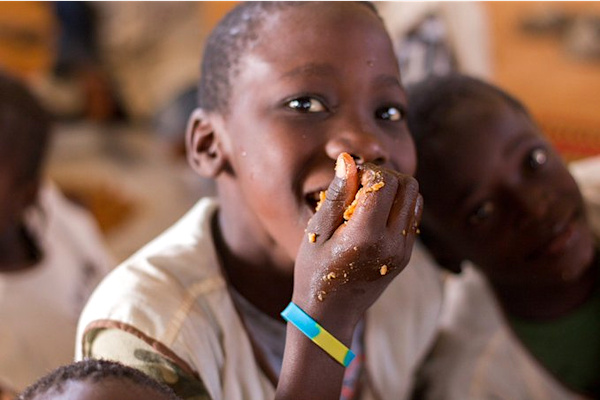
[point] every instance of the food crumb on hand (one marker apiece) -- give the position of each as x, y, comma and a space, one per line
383, 270
375, 187
350, 209
312, 237
322, 197
365, 180
321, 295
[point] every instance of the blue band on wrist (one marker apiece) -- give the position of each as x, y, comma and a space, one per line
318, 334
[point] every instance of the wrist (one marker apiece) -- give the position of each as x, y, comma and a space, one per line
321, 337
336, 320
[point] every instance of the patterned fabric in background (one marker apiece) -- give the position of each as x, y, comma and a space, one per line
426, 51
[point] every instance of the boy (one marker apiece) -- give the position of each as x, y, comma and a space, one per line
524, 321
286, 88
97, 380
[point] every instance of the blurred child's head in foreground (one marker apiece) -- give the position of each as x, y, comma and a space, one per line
97, 380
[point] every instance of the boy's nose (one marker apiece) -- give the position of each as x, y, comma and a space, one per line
534, 205
364, 147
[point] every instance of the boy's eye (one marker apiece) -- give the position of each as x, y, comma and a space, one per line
306, 105
390, 113
537, 158
482, 213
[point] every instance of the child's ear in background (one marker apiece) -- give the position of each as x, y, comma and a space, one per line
204, 148
443, 255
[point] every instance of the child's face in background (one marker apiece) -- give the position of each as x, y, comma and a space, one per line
499, 193
322, 80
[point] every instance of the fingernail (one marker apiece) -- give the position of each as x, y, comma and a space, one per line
418, 207
341, 170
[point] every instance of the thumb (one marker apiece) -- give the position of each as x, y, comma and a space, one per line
340, 194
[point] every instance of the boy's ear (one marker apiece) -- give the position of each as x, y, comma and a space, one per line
204, 148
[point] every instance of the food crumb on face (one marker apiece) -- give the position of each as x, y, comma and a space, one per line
331, 276
403, 232
312, 237
383, 270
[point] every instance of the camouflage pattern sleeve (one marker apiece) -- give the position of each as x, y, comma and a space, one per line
118, 345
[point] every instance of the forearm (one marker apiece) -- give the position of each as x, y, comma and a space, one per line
309, 371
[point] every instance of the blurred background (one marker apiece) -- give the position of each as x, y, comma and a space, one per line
120, 79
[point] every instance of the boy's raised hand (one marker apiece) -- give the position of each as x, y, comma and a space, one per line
343, 266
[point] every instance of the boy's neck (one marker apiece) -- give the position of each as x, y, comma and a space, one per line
257, 278
545, 304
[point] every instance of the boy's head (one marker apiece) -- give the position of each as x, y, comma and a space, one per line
24, 135
287, 87
496, 193
97, 380
229, 43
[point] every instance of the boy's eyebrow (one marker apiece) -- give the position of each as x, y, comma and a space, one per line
310, 69
327, 70
515, 144
388, 80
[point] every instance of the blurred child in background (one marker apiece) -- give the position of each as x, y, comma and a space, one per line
523, 320
51, 252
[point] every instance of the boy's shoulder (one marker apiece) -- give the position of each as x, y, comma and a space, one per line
150, 289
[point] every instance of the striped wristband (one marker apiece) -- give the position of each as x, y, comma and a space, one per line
318, 334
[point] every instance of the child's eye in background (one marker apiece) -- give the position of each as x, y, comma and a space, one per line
390, 113
482, 213
306, 105
537, 158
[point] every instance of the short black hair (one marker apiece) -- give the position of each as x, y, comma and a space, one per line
94, 370
228, 43
25, 128
432, 101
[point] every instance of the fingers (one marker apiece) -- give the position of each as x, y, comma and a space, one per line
339, 196
374, 200
390, 202
409, 226
387, 203
405, 215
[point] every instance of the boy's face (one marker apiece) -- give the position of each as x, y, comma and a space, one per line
322, 80
498, 193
